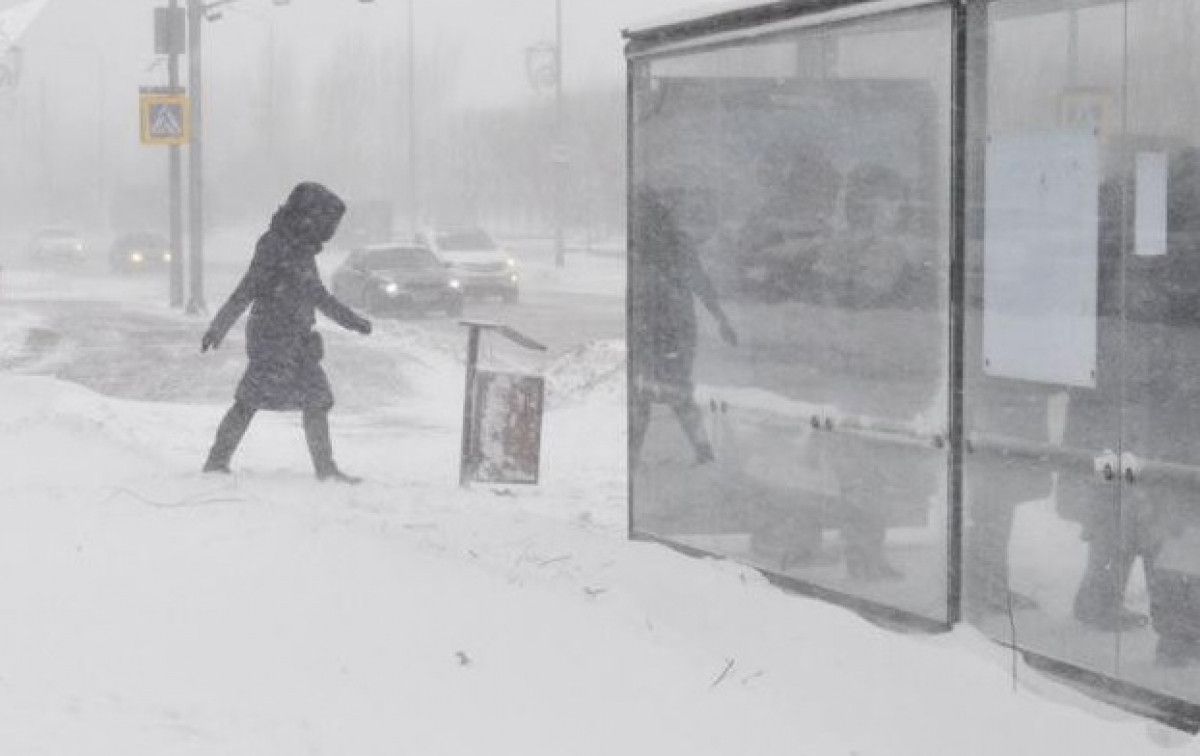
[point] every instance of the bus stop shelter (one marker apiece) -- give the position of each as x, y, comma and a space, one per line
914, 295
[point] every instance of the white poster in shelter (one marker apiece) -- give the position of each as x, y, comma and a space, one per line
1041, 250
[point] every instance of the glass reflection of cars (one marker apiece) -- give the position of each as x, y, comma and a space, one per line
397, 279
483, 266
57, 245
139, 251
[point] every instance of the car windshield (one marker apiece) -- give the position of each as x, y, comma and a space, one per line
411, 258
463, 241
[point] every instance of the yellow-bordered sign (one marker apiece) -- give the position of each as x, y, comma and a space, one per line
166, 119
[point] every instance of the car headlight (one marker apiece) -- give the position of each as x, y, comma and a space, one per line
136, 257
391, 288
166, 257
78, 246
454, 283
513, 278
511, 263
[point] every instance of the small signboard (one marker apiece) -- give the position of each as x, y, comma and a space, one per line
505, 429
165, 118
170, 31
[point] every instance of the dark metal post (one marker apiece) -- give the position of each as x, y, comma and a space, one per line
464, 470
967, 181
632, 313
560, 159
195, 161
174, 178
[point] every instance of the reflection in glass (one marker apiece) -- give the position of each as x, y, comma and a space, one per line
1083, 463
798, 421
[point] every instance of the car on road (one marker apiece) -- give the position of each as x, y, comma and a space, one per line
481, 265
57, 245
397, 279
140, 251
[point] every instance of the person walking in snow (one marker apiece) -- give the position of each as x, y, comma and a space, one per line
283, 288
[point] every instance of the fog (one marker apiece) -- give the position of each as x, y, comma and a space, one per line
320, 89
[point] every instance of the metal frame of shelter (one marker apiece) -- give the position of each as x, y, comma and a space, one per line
968, 113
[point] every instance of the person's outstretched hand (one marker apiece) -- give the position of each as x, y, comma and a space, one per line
363, 326
209, 341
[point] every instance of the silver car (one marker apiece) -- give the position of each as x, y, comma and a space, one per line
482, 266
57, 245
397, 279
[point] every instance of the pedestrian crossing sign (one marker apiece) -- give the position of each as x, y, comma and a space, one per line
165, 119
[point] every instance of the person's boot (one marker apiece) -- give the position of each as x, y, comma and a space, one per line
320, 448
693, 427
229, 434
1100, 598
337, 476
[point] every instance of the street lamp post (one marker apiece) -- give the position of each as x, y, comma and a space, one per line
560, 160
195, 15
174, 171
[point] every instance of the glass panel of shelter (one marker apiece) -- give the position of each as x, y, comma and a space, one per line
1160, 513
1043, 357
789, 305
1081, 482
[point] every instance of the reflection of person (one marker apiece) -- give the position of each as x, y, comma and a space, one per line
1171, 429
1150, 352
1111, 543
283, 287
784, 239
881, 264
868, 271
667, 274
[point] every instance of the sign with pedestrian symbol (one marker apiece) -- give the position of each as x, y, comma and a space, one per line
165, 118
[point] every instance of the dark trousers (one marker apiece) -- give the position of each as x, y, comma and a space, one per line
691, 420
1174, 603
1112, 549
237, 420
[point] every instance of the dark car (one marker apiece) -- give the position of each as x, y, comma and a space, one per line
140, 251
394, 279
57, 245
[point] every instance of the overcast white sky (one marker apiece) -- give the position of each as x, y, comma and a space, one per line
480, 43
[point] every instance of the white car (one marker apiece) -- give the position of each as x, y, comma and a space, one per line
475, 260
57, 245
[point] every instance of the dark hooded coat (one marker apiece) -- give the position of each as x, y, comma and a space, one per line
283, 288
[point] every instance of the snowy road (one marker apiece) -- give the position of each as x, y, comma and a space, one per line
147, 609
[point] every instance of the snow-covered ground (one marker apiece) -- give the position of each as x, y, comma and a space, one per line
147, 609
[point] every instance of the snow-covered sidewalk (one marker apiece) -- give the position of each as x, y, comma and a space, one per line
146, 609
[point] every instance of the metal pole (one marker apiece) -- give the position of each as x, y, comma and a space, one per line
195, 161
560, 165
174, 180
101, 155
414, 206
1072, 45
466, 460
